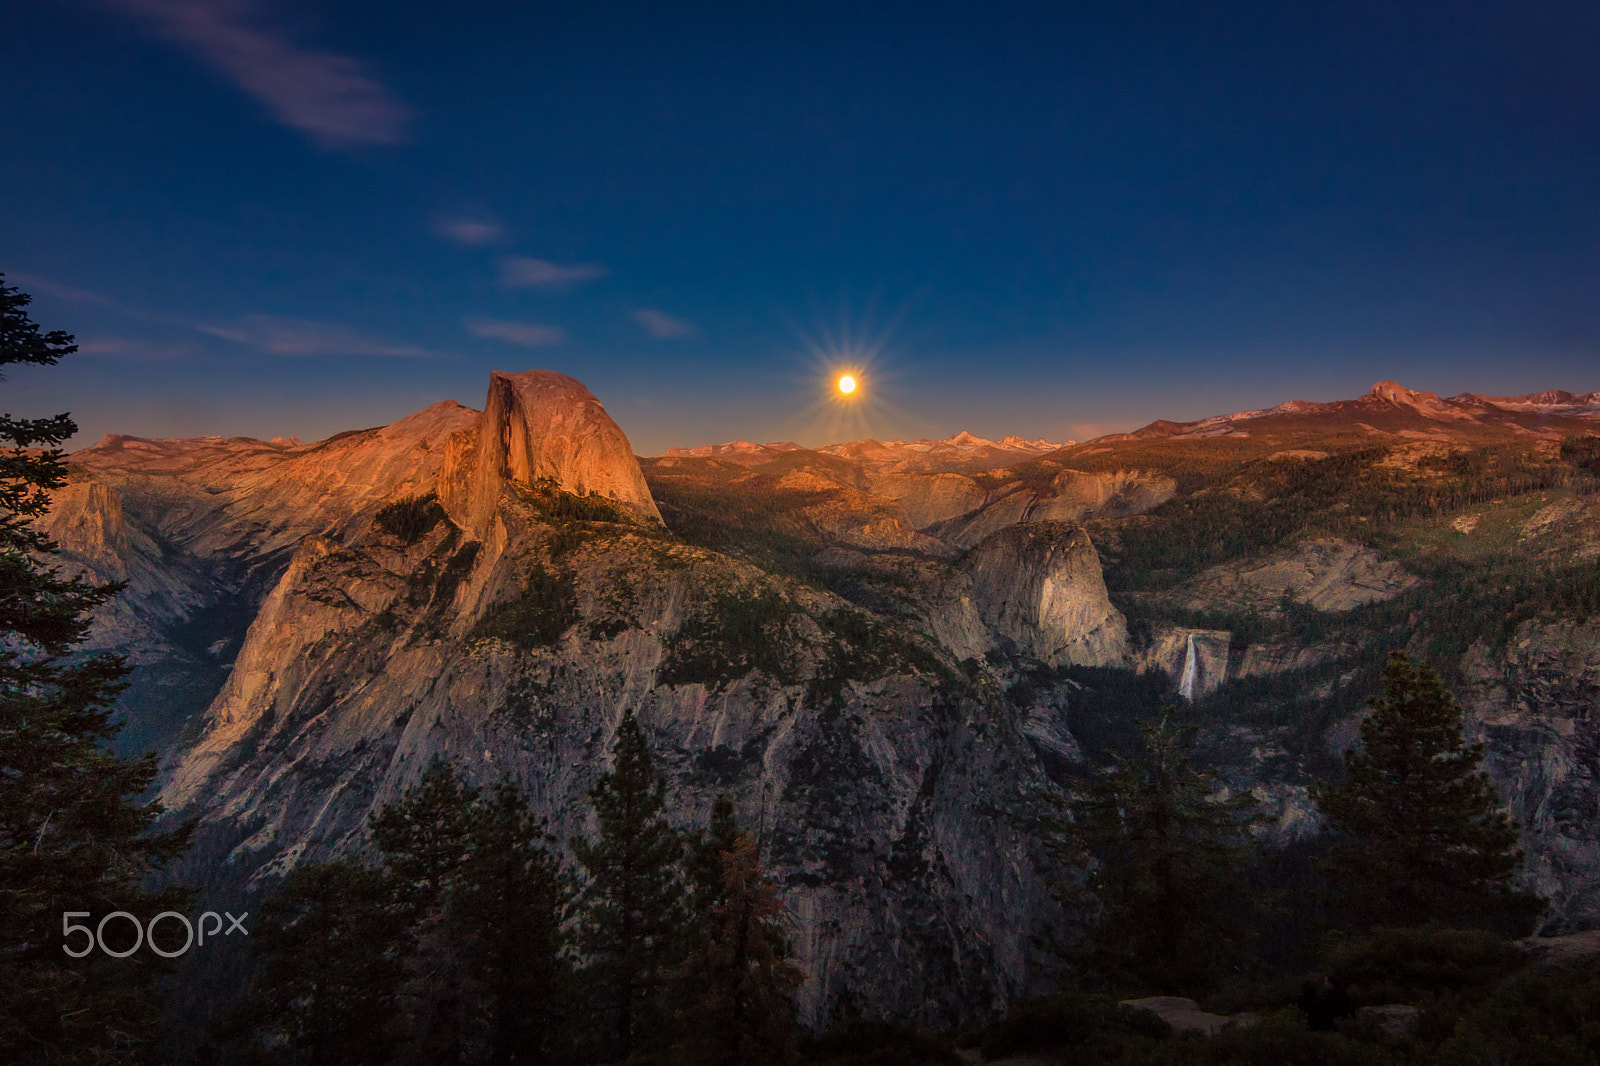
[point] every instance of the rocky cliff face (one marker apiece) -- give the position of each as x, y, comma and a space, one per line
202, 529
1039, 587
931, 498
538, 427
1070, 496
1537, 706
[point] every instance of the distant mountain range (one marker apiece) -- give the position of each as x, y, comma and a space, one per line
1393, 408
1387, 408
963, 451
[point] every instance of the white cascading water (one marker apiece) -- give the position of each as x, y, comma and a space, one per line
1186, 682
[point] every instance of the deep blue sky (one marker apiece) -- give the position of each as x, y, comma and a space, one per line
299, 216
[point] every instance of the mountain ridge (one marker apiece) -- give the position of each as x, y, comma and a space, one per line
1382, 397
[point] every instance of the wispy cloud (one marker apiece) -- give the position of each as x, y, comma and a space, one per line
33, 285
530, 334
327, 96
271, 334
297, 337
522, 272
469, 230
135, 350
663, 326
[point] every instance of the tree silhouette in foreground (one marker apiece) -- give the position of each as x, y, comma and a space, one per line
738, 981
452, 952
1419, 836
704, 866
426, 838
632, 907
1160, 863
73, 833
510, 901
325, 989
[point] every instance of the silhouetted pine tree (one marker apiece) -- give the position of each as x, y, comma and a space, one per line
1419, 836
703, 863
427, 839
738, 980
632, 906
1160, 863
510, 903
72, 829
329, 973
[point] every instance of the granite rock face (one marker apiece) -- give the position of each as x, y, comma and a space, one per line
202, 530
931, 498
1071, 496
1325, 574
539, 426
1039, 586
1537, 707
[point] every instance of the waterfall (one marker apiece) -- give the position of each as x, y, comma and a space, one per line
1186, 682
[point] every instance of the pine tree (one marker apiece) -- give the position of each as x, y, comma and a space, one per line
632, 907
1419, 836
704, 861
426, 839
1159, 864
73, 833
426, 836
510, 903
325, 987
738, 980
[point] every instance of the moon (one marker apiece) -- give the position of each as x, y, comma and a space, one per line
847, 384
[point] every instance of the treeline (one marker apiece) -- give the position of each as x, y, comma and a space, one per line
470, 938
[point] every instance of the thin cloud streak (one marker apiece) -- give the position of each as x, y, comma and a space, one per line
125, 348
32, 284
35, 285
663, 326
529, 334
471, 232
294, 337
523, 272
324, 95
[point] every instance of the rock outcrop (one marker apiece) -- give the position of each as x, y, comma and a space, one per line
1071, 496
539, 426
1185, 1016
931, 498
1535, 706
1039, 586
1323, 573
